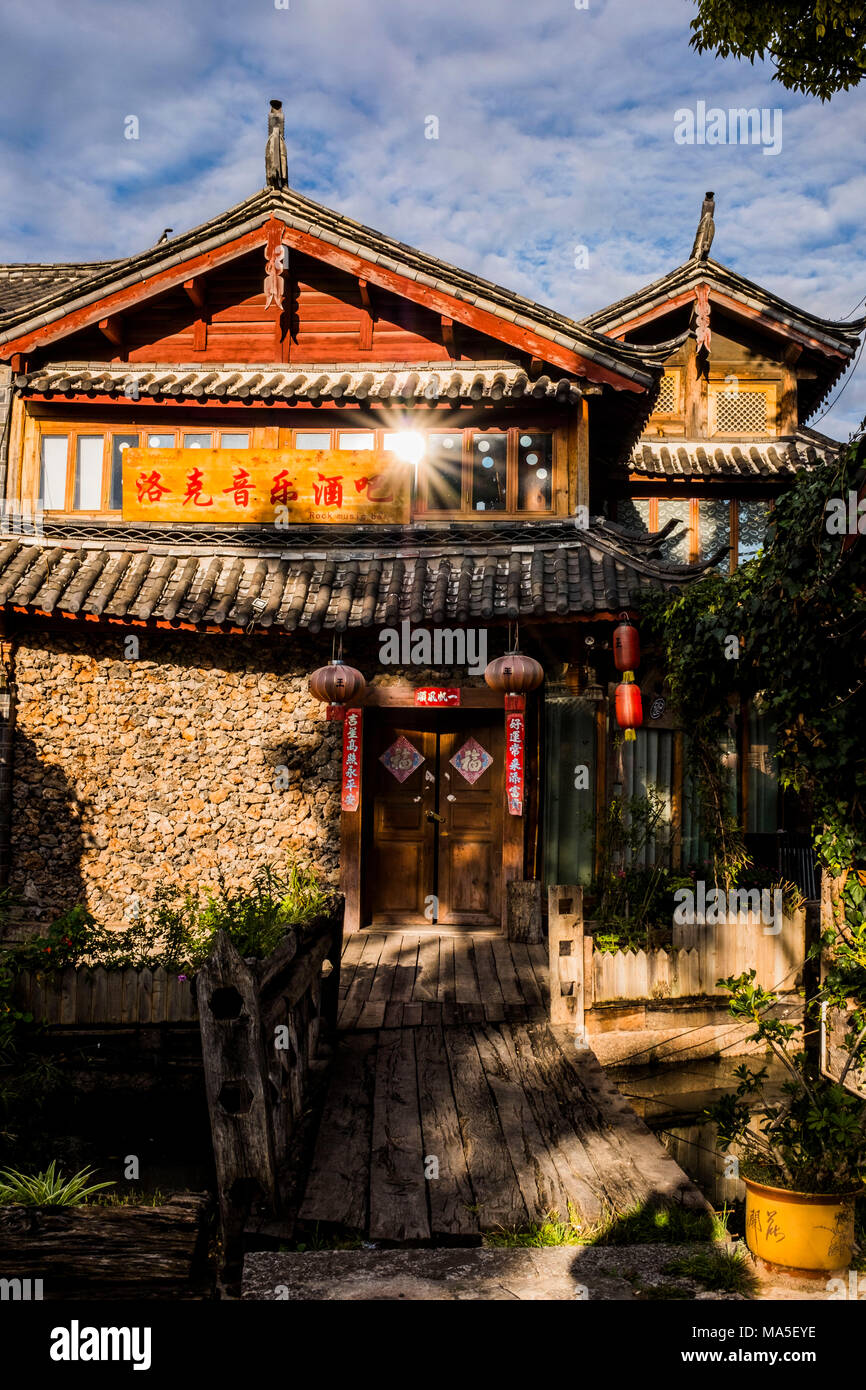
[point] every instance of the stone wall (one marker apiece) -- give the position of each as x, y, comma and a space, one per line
129, 772
200, 753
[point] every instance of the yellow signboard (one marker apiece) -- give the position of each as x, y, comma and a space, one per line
275, 487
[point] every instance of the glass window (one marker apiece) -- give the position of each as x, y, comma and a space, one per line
52, 483
634, 514
534, 472
119, 444
356, 439
489, 472
320, 439
752, 529
761, 814
198, 441
164, 441
88, 473
696, 846
444, 467
235, 441
676, 547
569, 799
715, 529
647, 768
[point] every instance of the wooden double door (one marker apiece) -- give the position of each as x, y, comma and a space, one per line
434, 856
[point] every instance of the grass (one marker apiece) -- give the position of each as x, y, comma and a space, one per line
131, 1199
722, 1271
642, 1226
329, 1240
48, 1189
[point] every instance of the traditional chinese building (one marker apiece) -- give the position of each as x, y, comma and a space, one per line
281, 436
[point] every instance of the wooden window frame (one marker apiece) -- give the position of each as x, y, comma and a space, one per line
694, 523
716, 386
676, 375
559, 468
107, 430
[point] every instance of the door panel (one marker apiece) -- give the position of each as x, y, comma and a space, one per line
403, 839
436, 833
470, 842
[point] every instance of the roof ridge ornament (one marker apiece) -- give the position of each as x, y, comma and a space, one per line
276, 159
706, 229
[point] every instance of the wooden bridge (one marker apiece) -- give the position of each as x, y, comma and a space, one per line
455, 1107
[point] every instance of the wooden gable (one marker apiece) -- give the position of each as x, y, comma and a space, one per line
327, 316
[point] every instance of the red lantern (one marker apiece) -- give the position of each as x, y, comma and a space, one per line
338, 685
514, 674
629, 708
626, 647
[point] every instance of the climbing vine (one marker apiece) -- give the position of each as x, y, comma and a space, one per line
788, 629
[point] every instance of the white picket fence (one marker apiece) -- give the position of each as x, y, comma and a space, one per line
701, 955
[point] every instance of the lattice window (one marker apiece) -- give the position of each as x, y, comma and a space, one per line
745, 413
668, 394
739, 409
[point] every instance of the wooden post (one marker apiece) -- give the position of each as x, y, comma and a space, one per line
236, 1081
523, 912
565, 938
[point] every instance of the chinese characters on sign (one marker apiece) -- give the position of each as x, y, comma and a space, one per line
514, 763
352, 726
275, 486
437, 695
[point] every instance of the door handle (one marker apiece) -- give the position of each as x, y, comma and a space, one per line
431, 815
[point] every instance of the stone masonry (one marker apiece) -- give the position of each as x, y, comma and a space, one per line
200, 753
205, 752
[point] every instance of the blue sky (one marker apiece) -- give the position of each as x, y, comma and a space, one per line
555, 130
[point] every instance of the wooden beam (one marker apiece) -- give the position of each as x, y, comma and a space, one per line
112, 328
448, 337
364, 289
197, 291
788, 410
582, 455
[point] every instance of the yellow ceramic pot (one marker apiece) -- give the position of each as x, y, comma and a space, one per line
800, 1230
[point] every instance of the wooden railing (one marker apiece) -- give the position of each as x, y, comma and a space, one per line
582, 977
260, 1023
81, 997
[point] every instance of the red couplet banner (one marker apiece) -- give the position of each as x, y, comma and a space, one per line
514, 742
352, 726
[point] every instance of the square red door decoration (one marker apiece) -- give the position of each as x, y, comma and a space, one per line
352, 726
514, 763
471, 761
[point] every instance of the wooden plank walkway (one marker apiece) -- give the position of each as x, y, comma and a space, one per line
440, 1133
411, 980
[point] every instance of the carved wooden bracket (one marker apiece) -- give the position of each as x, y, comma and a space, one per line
702, 316
274, 267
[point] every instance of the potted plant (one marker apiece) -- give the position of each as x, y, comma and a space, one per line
802, 1156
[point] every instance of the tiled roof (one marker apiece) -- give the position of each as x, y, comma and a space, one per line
707, 458
838, 340
465, 381
345, 234
21, 285
234, 586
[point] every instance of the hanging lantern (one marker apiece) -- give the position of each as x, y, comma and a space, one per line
629, 707
626, 646
338, 685
514, 674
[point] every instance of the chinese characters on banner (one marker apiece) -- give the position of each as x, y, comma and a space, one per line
514, 763
437, 695
352, 726
274, 486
